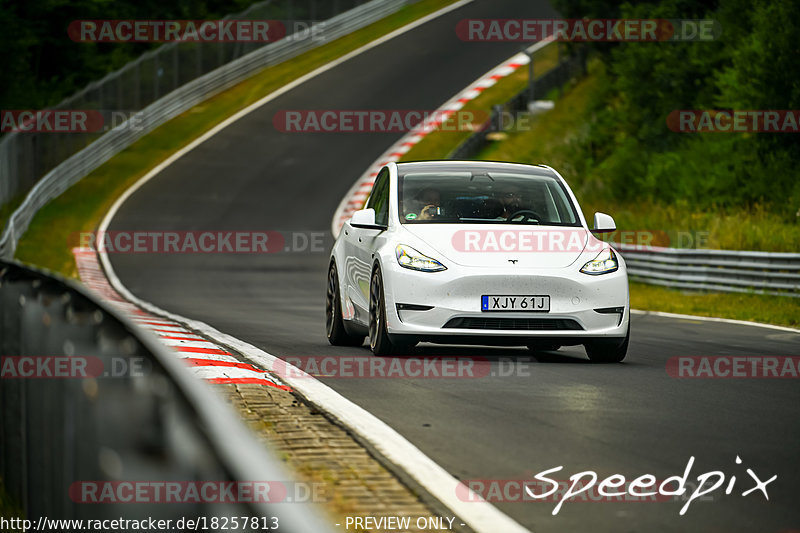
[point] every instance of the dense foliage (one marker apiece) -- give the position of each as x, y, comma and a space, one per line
627, 147
41, 65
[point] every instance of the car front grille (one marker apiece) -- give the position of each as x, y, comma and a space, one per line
518, 324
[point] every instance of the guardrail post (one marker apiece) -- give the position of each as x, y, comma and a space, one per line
496, 118
531, 78
108, 424
33, 154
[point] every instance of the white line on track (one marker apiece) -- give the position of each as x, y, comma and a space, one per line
715, 319
207, 356
480, 515
355, 198
168, 328
205, 359
198, 343
216, 372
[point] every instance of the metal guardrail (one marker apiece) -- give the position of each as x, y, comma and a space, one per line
26, 156
181, 99
566, 69
710, 270
715, 270
158, 423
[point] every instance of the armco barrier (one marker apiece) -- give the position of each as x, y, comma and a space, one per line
715, 270
711, 270
158, 423
558, 76
75, 167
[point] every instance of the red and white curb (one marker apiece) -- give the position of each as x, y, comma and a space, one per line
359, 192
204, 358
479, 514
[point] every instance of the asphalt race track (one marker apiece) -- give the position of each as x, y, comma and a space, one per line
556, 409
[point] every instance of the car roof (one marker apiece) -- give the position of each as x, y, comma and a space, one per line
479, 166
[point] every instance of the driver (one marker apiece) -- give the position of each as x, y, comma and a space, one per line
430, 198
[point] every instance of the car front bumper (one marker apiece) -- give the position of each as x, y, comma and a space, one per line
453, 299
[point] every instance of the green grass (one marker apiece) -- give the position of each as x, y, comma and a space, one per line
778, 310
755, 228
550, 134
9, 507
439, 144
549, 141
47, 243
8, 208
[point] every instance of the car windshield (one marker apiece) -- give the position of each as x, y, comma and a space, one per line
480, 196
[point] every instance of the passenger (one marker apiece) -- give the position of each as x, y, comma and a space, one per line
512, 199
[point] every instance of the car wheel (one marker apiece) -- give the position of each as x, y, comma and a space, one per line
379, 340
609, 351
543, 347
334, 323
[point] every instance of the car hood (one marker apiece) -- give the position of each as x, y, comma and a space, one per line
503, 245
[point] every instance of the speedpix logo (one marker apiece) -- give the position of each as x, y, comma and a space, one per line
589, 486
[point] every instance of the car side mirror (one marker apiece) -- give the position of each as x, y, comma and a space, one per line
603, 223
365, 219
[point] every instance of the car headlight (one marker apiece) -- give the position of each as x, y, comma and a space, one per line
605, 263
410, 258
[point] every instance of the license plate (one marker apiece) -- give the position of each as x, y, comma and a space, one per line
515, 303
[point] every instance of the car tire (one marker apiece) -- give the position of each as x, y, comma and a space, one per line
334, 322
379, 340
544, 347
610, 351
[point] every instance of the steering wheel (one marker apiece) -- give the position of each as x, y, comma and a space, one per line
527, 215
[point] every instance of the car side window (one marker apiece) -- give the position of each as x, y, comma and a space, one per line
379, 199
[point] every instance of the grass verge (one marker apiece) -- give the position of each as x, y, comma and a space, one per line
80, 208
549, 140
438, 144
8, 208
9, 507
779, 310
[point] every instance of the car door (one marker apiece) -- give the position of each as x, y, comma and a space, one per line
362, 245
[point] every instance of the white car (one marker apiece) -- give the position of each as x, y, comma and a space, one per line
469, 252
